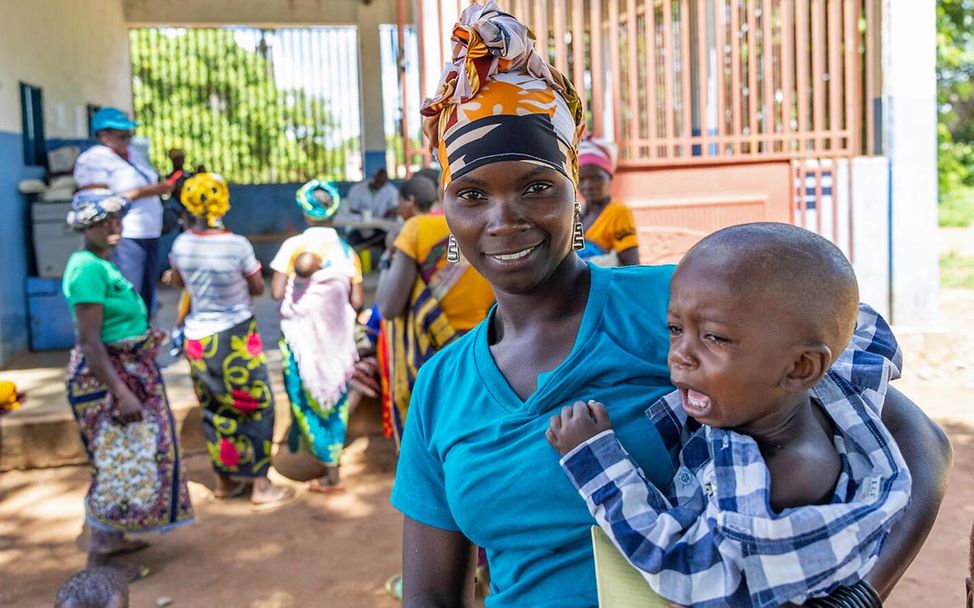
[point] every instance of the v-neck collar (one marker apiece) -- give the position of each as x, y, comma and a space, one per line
549, 383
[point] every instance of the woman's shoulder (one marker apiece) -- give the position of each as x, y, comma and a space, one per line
83, 265
616, 208
96, 152
425, 222
629, 279
636, 298
83, 259
450, 366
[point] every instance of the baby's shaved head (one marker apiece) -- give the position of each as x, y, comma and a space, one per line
792, 266
306, 264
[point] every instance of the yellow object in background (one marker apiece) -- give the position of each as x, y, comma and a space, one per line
365, 256
9, 397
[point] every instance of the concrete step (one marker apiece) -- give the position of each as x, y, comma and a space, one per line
44, 432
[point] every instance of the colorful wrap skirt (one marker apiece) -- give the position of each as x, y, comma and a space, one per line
138, 482
229, 372
316, 428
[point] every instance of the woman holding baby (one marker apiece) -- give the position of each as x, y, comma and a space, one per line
475, 467
318, 278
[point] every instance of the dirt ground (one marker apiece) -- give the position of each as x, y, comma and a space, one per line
337, 551
328, 551
319, 551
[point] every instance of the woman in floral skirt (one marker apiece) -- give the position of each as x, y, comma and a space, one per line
224, 349
116, 394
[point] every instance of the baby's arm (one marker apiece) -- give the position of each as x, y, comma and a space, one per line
653, 535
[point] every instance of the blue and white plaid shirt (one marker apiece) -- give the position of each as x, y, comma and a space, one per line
713, 539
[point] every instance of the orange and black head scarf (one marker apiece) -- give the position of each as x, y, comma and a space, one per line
499, 100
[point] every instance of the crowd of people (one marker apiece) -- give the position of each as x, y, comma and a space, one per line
727, 423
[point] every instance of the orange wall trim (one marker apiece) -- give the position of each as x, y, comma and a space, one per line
676, 207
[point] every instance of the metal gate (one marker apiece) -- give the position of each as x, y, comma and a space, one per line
681, 84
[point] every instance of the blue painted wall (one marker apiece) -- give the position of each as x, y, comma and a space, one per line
13, 246
262, 209
374, 160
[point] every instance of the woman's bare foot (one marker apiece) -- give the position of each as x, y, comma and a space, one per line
105, 543
267, 496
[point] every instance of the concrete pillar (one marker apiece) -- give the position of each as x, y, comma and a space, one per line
870, 231
910, 96
370, 16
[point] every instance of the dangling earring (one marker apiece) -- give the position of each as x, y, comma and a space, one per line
452, 251
578, 239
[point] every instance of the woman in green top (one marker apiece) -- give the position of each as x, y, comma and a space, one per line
117, 396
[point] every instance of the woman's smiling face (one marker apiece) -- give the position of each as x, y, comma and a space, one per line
513, 222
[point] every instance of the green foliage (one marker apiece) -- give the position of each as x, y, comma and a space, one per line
957, 207
955, 67
956, 271
200, 90
955, 97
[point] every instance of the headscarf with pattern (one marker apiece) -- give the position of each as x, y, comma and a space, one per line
206, 195
93, 205
499, 100
598, 152
318, 200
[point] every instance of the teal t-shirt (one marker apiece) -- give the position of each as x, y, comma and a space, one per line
88, 279
474, 457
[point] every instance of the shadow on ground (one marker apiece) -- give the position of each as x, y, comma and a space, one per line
318, 551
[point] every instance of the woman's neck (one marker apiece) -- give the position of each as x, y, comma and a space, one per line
563, 293
200, 227
101, 252
596, 207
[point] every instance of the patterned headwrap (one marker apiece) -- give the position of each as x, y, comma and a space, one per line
206, 195
499, 100
318, 200
598, 152
88, 207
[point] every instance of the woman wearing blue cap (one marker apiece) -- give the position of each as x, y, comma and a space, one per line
115, 165
318, 277
116, 394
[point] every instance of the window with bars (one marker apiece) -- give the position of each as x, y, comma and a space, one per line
256, 105
32, 124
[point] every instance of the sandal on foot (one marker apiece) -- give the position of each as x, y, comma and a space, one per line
233, 492
317, 487
394, 586
287, 496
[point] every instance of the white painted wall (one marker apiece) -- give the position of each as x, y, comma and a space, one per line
76, 51
909, 57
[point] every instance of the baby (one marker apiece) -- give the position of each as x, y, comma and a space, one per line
786, 481
306, 264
